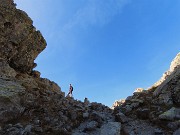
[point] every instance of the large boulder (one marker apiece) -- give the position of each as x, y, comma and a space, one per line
160, 105
20, 42
172, 114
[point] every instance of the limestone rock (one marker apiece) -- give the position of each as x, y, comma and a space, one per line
118, 103
175, 63
139, 90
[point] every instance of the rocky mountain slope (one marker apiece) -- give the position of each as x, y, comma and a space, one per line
156, 110
31, 105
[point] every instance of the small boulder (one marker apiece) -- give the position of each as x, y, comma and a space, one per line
111, 128
172, 114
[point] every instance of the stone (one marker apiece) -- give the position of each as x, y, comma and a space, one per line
138, 127
91, 126
118, 103
172, 114
174, 125
10, 100
168, 75
85, 115
120, 117
139, 90
176, 95
129, 98
143, 113
13, 131
137, 100
177, 132
158, 132
28, 129
87, 126
22, 43
38, 129
18, 125
111, 128
175, 63
96, 117
6, 70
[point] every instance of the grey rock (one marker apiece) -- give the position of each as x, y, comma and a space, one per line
91, 126
85, 115
138, 127
111, 128
36, 122
28, 129
86, 126
38, 129
13, 131
174, 125
120, 117
127, 108
47, 119
143, 113
18, 125
158, 132
172, 114
177, 132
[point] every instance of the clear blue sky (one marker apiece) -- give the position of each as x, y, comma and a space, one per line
105, 48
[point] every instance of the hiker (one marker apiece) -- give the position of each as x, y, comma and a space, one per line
70, 90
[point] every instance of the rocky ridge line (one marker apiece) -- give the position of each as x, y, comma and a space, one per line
156, 110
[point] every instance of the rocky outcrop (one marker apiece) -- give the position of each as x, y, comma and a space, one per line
158, 107
20, 43
168, 75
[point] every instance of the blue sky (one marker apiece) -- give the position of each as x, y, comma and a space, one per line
105, 48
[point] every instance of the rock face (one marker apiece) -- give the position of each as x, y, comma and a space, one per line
20, 43
158, 107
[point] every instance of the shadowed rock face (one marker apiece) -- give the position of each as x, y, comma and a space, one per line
158, 107
20, 43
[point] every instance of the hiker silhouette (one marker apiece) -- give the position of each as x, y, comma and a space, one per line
70, 91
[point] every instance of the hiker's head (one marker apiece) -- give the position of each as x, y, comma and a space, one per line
70, 84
